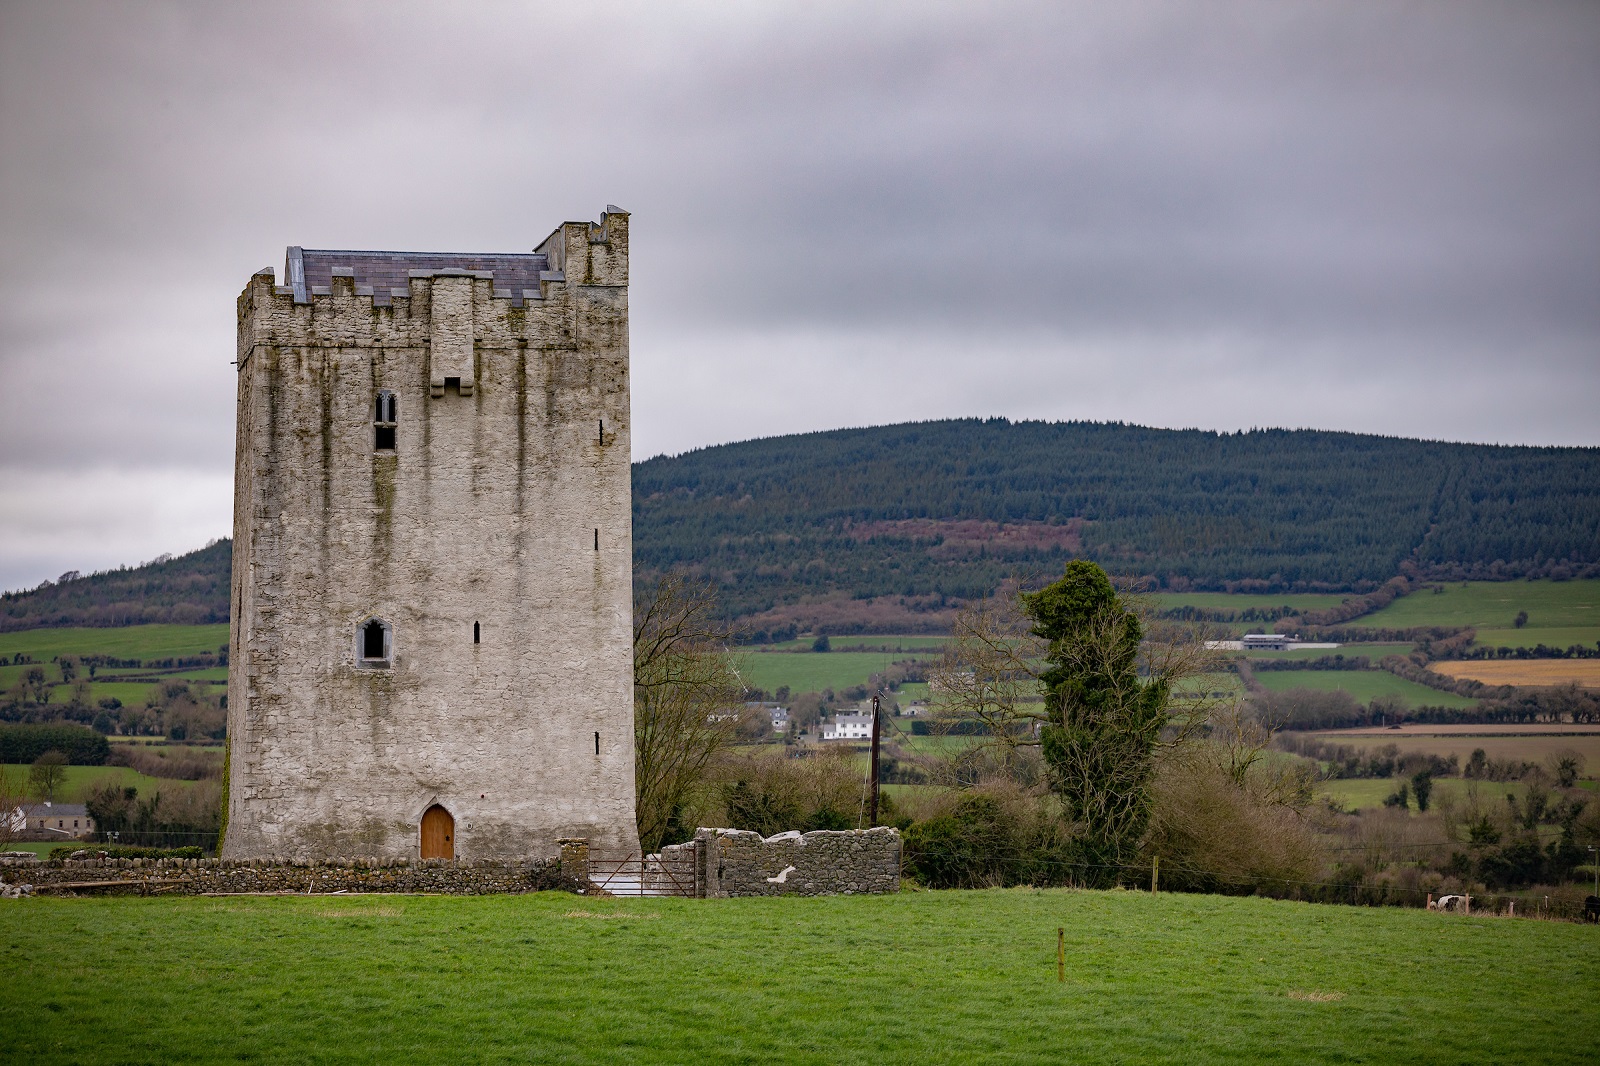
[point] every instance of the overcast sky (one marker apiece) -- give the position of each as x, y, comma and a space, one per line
1374, 216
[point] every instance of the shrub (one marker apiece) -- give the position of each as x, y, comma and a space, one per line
1215, 835
996, 834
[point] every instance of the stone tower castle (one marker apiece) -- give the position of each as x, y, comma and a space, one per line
432, 554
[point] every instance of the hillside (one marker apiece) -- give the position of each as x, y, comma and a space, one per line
191, 589
881, 528
931, 510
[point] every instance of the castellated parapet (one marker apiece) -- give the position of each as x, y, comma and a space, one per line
432, 572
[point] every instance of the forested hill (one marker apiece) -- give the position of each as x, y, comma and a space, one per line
951, 508
189, 590
921, 513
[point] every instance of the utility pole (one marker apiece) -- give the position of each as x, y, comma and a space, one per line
874, 820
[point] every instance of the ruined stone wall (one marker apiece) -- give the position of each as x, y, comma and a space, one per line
191, 877
822, 863
502, 506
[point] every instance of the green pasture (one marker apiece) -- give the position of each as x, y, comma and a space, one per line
79, 781
127, 642
812, 671
1493, 605
1210, 685
1363, 685
1363, 793
1534, 748
927, 977
910, 691
915, 645
1239, 601
1531, 636
1374, 652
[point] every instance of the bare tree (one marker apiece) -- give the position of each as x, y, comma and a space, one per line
47, 773
13, 803
686, 698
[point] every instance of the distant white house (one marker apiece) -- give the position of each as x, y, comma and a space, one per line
65, 820
848, 727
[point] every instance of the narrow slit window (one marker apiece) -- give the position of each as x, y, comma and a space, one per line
602, 431
474, 632
384, 421
375, 641
597, 743
597, 540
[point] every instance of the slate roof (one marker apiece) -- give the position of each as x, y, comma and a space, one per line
309, 271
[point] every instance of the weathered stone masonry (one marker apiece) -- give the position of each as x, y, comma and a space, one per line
432, 595
191, 877
821, 863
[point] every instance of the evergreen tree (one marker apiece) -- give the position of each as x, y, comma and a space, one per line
1104, 721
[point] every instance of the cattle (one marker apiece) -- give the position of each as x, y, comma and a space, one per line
1591, 909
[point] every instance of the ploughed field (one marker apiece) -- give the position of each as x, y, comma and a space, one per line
1540, 672
927, 977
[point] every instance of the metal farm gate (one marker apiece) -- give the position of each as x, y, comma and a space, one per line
673, 872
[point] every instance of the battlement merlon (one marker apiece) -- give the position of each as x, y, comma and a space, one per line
589, 254
576, 254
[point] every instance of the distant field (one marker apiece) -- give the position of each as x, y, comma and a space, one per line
1525, 748
812, 671
1349, 651
918, 643
1572, 606
1363, 685
128, 642
81, 780
1230, 601
1532, 636
1585, 672
1210, 684
1367, 792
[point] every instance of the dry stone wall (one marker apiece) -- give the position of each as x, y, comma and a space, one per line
198, 876
822, 863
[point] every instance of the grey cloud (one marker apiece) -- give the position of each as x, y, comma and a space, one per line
1399, 199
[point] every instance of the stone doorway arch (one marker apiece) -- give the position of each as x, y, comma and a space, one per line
438, 833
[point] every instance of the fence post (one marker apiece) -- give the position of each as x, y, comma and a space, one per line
1155, 874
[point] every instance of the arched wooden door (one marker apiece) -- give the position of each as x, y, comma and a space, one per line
438, 834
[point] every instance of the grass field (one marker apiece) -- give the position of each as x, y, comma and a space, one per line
1585, 672
919, 643
1363, 685
1368, 792
965, 977
1552, 636
1525, 748
1238, 601
811, 671
1560, 613
1374, 652
81, 779
128, 642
